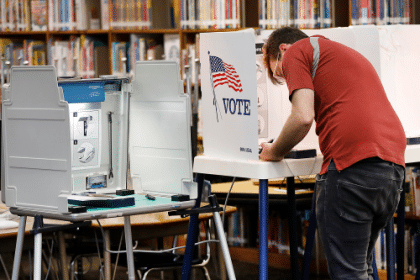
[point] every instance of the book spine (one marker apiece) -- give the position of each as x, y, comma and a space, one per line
301, 14
17, 17
328, 17
355, 12
104, 14
261, 11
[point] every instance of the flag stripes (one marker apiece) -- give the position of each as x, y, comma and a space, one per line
223, 73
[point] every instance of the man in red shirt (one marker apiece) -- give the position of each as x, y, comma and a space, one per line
360, 136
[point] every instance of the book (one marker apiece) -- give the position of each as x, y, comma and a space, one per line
101, 65
105, 14
81, 15
416, 182
39, 15
171, 43
34, 52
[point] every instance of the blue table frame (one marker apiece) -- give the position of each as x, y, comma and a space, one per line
205, 165
263, 171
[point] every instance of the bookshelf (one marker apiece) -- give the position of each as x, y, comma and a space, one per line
108, 21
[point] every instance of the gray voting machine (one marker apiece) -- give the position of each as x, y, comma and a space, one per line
71, 137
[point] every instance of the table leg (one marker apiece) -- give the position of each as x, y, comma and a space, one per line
400, 236
263, 230
38, 223
129, 248
390, 253
192, 233
291, 206
224, 245
19, 247
310, 237
107, 255
63, 255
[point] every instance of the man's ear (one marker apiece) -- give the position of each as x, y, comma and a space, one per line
283, 47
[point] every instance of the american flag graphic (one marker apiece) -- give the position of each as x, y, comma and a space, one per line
224, 73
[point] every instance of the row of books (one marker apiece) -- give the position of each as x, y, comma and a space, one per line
143, 14
204, 14
64, 15
22, 15
88, 57
412, 197
143, 47
61, 15
130, 14
381, 12
278, 231
125, 54
411, 251
26, 52
79, 56
82, 56
299, 13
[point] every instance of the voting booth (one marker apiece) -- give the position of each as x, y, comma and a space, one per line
392, 50
78, 137
240, 106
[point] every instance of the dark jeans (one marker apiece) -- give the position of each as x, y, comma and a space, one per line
352, 206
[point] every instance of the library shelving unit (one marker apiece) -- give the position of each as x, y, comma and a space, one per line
108, 22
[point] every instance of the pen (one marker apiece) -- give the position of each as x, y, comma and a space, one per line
150, 197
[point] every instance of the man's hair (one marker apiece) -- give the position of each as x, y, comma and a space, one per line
285, 35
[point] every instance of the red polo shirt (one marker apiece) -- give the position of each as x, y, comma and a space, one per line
354, 118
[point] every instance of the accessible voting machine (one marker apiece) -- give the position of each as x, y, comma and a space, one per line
70, 141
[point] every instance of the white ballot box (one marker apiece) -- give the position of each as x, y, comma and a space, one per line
93, 136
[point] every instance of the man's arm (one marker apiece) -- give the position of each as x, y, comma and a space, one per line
296, 127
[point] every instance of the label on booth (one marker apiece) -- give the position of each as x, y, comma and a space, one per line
84, 92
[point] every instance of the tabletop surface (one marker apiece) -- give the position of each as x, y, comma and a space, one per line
251, 187
257, 169
142, 206
143, 220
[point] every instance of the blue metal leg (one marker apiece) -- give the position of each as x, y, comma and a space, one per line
291, 206
417, 260
390, 252
263, 230
309, 240
400, 236
374, 267
192, 233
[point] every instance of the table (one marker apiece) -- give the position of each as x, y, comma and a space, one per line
146, 227
143, 206
263, 171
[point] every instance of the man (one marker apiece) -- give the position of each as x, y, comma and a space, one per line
360, 136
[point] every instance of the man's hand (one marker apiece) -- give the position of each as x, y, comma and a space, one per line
267, 153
